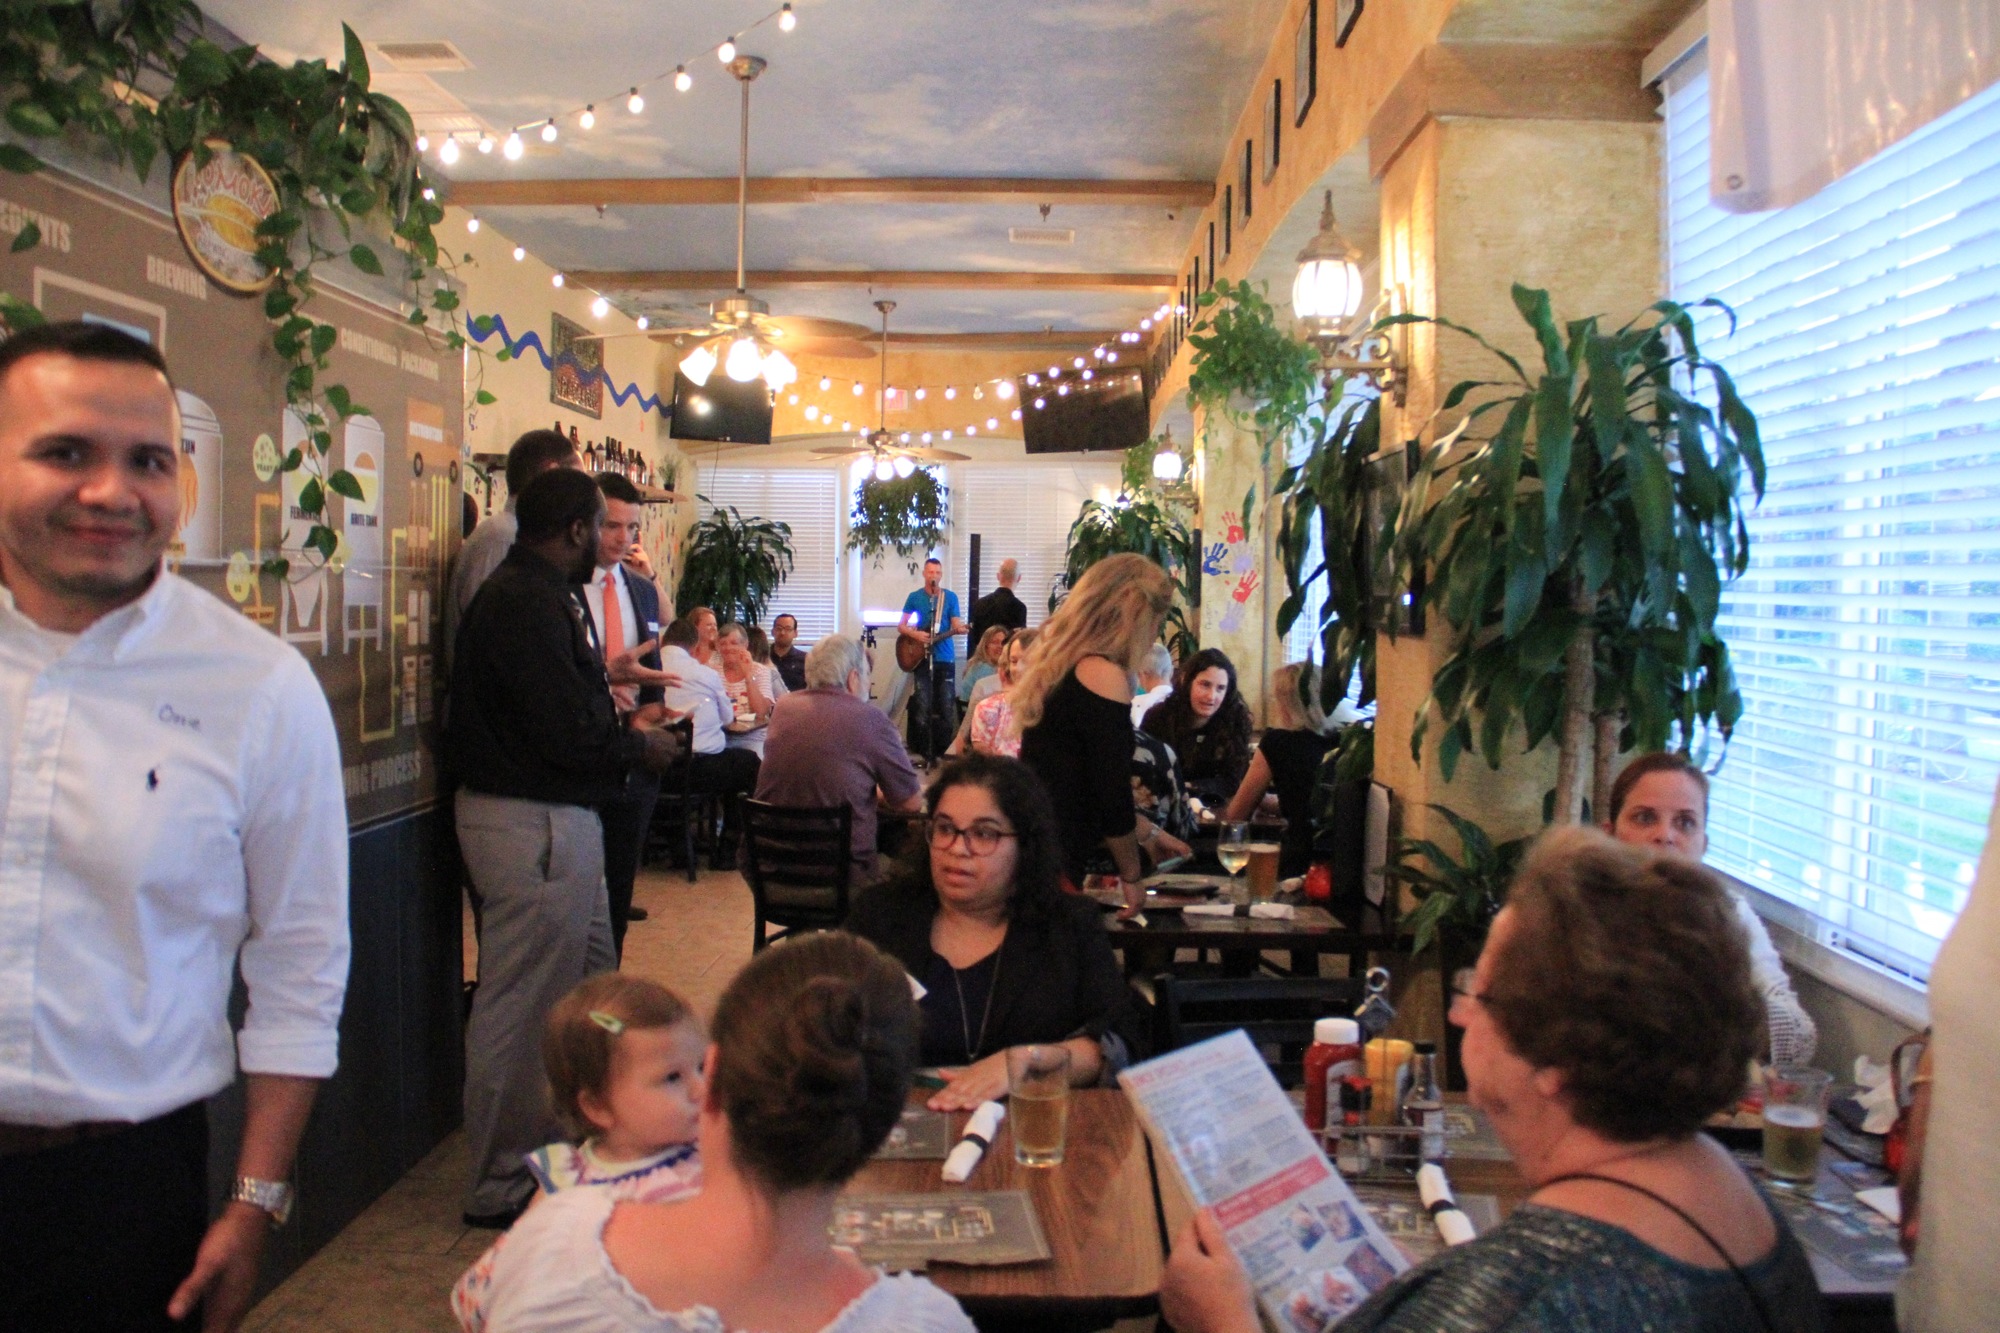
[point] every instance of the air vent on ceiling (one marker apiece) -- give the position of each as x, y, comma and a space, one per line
1042, 235
438, 57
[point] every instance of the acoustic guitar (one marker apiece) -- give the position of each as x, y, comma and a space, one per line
912, 653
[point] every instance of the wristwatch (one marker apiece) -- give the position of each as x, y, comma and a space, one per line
273, 1196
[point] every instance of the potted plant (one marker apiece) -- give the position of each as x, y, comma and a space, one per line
1577, 555
908, 515
1141, 527
732, 564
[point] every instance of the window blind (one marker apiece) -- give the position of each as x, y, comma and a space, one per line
1866, 635
1023, 510
809, 500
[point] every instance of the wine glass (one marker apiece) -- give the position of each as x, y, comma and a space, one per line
1232, 848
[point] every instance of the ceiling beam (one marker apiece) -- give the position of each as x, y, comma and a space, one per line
1032, 341
666, 192
719, 279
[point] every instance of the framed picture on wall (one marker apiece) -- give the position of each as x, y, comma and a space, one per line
1274, 125
1228, 211
1305, 63
1249, 174
1211, 255
1346, 13
576, 369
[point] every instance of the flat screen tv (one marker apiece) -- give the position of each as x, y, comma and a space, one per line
1109, 414
721, 410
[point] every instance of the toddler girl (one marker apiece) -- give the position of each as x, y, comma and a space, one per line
624, 1064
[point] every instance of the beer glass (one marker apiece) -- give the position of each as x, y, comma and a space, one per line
1794, 1119
1038, 1102
1265, 842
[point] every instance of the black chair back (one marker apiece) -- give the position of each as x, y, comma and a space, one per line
1276, 1012
678, 805
798, 862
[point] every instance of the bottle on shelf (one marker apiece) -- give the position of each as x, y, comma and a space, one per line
1423, 1104
590, 458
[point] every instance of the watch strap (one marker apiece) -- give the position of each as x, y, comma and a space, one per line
273, 1196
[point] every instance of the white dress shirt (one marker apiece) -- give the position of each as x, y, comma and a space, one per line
1144, 703
628, 616
702, 691
170, 794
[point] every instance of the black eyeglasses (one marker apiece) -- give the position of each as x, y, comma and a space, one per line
982, 838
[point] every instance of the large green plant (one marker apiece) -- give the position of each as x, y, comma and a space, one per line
1577, 555
1457, 896
1141, 527
1242, 358
1326, 493
136, 79
732, 564
907, 515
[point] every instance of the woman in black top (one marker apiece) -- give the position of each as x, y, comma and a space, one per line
979, 918
1287, 759
1208, 724
1072, 700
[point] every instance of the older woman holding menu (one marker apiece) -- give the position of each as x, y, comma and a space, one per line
1611, 1013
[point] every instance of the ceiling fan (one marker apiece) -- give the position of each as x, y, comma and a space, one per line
891, 459
742, 336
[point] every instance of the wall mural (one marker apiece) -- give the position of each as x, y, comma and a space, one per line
1233, 555
366, 620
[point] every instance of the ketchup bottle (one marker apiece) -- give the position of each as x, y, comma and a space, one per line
1334, 1054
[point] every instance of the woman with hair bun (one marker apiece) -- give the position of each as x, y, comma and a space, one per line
815, 1042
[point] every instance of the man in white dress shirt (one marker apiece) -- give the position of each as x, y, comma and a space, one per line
171, 810
1156, 682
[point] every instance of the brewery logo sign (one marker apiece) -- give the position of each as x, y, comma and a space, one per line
217, 205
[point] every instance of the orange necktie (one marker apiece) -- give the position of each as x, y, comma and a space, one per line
614, 622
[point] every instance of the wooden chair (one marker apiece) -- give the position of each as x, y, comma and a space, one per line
1276, 1012
798, 862
680, 806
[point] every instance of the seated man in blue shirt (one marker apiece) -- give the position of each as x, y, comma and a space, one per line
930, 619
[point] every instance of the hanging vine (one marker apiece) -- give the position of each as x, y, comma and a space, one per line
139, 79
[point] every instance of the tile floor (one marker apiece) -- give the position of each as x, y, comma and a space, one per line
392, 1269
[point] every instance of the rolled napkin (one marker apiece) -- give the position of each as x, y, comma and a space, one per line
1263, 911
1210, 909
972, 1145
1273, 911
1435, 1191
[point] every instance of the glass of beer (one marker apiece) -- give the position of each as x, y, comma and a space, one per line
1232, 847
1794, 1119
1038, 1102
1266, 839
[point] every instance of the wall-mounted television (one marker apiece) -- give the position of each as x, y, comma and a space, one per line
1109, 412
721, 409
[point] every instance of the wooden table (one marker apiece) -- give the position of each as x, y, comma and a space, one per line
1310, 932
1096, 1209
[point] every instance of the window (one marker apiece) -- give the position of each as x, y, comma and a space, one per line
1022, 510
1866, 636
809, 500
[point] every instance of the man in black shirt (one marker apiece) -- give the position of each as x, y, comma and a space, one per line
999, 607
786, 656
536, 743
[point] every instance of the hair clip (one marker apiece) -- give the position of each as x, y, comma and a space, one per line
609, 1022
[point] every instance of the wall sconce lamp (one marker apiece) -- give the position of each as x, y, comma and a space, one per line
1326, 296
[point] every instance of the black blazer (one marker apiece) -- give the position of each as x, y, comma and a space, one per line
1057, 978
646, 602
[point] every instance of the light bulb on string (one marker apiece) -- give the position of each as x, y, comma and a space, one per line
1111, 356
791, 400
1097, 352
635, 103
512, 152
644, 323
448, 151
977, 393
972, 430
1078, 363
787, 20
920, 394
812, 412
992, 423
548, 131
947, 435
600, 307
430, 195
520, 253
727, 51
846, 426
1038, 404
557, 280
1015, 414
857, 388
1086, 375
1034, 378
905, 465
472, 224
927, 437
825, 383
1004, 389
905, 439
1055, 372
1145, 323
588, 120
682, 79
1061, 391
423, 143
950, 392
485, 143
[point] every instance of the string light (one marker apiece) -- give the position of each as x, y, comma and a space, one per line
972, 430
792, 400
1033, 378
977, 392
857, 388
727, 51
950, 392
1055, 372
905, 438
787, 20
644, 323
1004, 389
423, 143
472, 223
635, 103
927, 437
548, 131
847, 425
600, 307
825, 383
512, 152
429, 194
448, 151
812, 412
557, 280
992, 423
588, 120
1015, 414
1061, 391
520, 253
1079, 363
1086, 375
682, 79
1038, 401
485, 143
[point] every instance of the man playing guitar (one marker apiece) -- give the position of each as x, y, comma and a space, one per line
924, 647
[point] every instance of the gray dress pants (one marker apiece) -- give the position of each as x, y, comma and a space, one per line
544, 926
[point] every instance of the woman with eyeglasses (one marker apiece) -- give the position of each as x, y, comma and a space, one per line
1611, 1013
978, 916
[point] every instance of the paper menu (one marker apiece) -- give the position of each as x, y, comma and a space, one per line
1311, 1250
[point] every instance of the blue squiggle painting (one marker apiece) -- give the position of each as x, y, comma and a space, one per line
496, 325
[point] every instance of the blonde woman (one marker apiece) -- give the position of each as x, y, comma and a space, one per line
986, 660
1072, 701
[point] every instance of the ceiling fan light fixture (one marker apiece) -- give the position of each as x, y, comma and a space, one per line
778, 370
884, 469
698, 365
904, 465
743, 362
